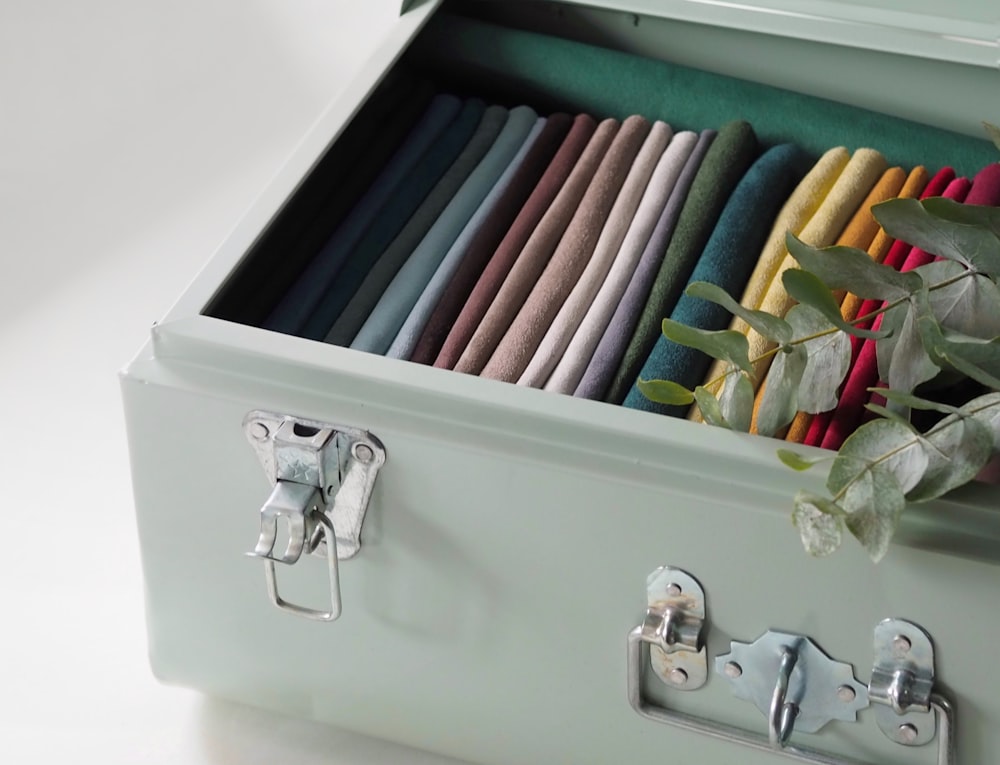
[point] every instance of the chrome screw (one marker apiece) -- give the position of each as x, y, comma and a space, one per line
907, 733
901, 644
673, 589
363, 452
733, 670
259, 431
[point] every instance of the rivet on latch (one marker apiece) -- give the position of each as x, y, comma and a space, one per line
902, 682
323, 477
673, 626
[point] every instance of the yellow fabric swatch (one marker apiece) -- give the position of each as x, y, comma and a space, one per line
879, 245
802, 204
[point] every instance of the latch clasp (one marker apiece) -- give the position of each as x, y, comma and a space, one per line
323, 476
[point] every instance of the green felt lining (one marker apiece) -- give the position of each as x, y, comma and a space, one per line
552, 74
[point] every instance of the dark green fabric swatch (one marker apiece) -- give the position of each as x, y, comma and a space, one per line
727, 261
562, 75
731, 153
405, 200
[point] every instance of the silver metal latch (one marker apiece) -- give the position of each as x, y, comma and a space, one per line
788, 677
323, 477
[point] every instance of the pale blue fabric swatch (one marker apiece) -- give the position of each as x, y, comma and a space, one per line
385, 320
412, 328
298, 303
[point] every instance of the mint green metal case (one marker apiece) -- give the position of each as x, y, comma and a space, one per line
509, 535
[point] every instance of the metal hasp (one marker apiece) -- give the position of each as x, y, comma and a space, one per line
675, 616
323, 477
902, 682
788, 677
793, 683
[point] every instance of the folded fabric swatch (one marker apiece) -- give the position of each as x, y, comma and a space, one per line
609, 351
506, 210
985, 189
515, 350
727, 260
402, 293
368, 272
822, 230
323, 202
795, 214
431, 169
893, 184
864, 374
301, 299
731, 153
571, 367
894, 258
561, 329
408, 335
531, 261
912, 188
472, 304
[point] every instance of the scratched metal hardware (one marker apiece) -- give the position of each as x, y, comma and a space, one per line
797, 686
903, 681
323, 477
675, 617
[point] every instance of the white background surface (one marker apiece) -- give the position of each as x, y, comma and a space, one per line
133, 134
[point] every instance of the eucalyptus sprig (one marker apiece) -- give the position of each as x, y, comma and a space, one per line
939, 323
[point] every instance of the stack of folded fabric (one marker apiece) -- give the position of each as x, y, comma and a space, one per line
546, 250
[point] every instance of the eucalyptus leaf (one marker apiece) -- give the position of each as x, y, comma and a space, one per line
721, 344
709, 407
665, 392
829, 358
847, 268
986, 409
913, 402
976, 215
780, 400
891, 414
993, 132
874, 503
767, 325
909, 220
962, 446
798, 462
979, 360
809, 289
969, 304
736, 401
910, 364
892, 322
878, 444
820, 524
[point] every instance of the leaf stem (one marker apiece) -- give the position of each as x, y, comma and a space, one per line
711, 384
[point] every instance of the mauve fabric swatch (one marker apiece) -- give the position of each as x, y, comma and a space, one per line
611, 347
408, 335
375, 277
402, 293
860, 234
537, 252
301, 299
567, 319
726, 261
430, 169
732, 152
494, 228
894, 258
864, 373
569, 371
574, 250
472, 307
